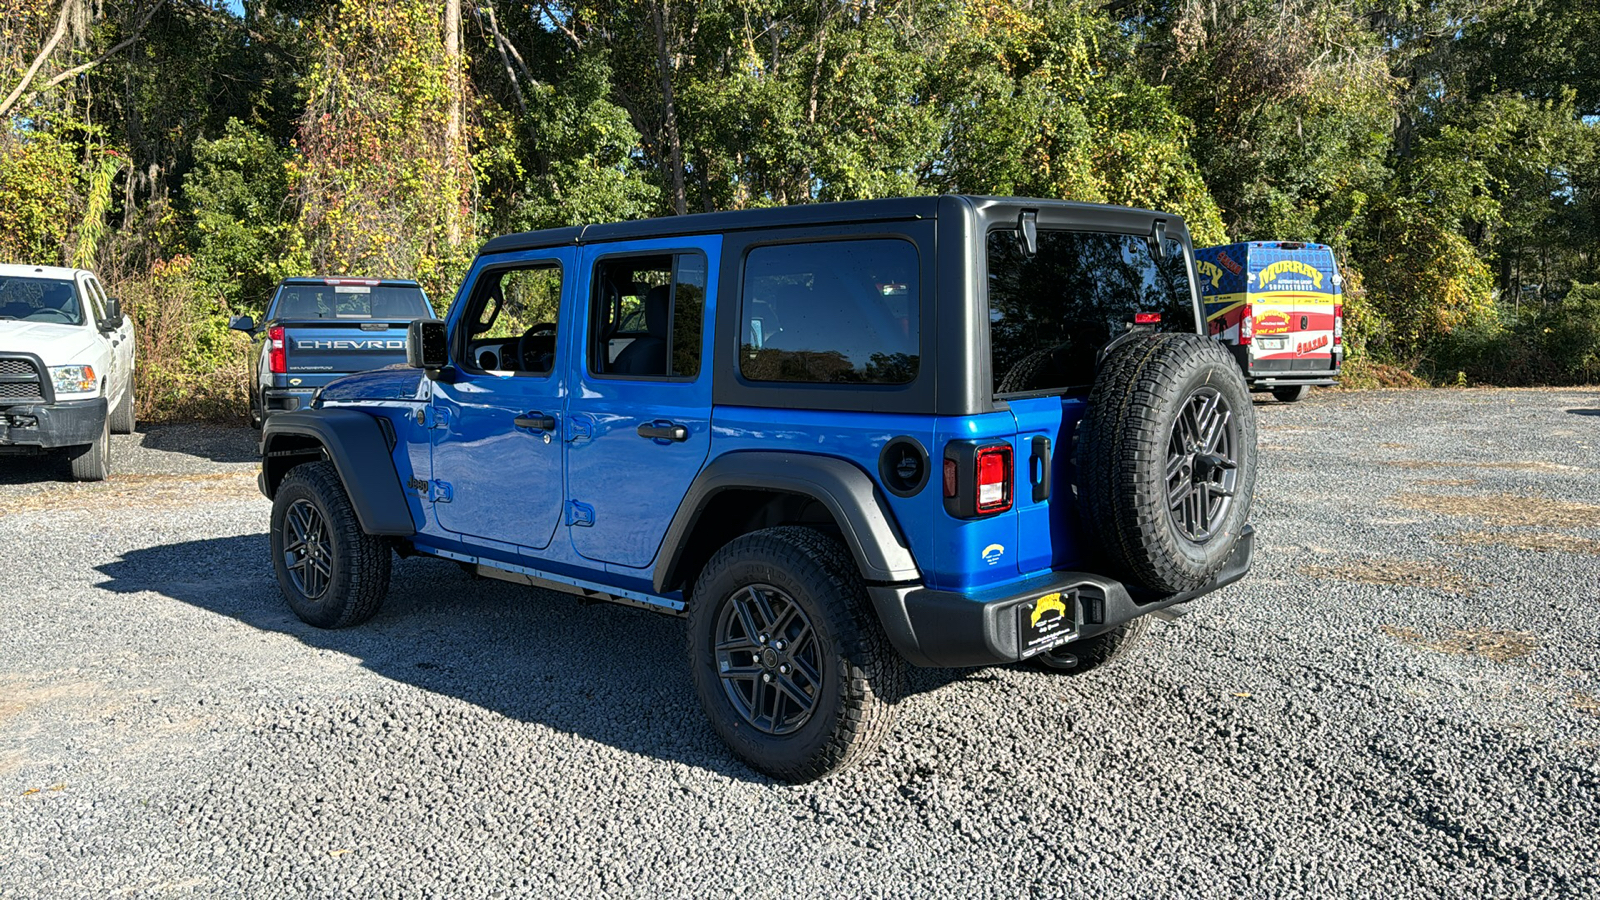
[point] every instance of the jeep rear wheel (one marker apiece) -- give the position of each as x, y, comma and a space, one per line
791, 667
332, 573
1167, 460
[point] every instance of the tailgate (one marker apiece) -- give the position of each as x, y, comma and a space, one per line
353, 346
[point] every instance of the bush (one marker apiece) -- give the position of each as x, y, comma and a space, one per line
190, 366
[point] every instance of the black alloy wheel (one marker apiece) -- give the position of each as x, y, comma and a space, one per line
769, 660
307, 554
1202, 468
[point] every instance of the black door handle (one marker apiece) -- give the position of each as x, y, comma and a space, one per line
536, 421
664, 431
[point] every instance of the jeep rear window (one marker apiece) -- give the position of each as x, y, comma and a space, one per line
351, 301
1050, 316
831, 312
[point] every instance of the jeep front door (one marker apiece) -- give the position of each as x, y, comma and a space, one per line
495, 423
639, 414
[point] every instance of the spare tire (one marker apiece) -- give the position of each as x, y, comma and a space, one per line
1166, 460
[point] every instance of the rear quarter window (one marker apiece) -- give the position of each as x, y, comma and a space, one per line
831, 312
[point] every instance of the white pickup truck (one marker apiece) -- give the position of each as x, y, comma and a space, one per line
66, 367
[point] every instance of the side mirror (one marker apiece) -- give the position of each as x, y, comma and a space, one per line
114, 318
427, 347
242, 323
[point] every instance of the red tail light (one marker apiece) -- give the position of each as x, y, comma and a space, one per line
277, 357
1338, 325
1247, 325
994, 479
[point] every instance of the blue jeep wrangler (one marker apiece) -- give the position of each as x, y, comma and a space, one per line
950, 431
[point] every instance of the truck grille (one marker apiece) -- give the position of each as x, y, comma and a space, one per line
19, 381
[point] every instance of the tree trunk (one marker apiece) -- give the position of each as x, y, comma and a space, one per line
452, 134
660, 18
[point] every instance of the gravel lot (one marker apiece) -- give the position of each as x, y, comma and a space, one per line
1401, 700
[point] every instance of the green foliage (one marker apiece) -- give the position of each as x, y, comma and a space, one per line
39, 183
190, 364
240, 221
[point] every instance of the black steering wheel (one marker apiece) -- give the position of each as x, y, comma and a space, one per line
527, 360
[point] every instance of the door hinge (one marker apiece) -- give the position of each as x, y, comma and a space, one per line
441, 492
579, 514
579, 427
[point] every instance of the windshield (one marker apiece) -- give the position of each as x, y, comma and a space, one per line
351, 301
40, 300
1050, 316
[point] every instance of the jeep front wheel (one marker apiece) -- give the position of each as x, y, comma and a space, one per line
791, 667
332, 573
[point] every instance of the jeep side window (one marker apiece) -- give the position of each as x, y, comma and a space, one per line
831, 312
1050, 315
646, 316
513, 315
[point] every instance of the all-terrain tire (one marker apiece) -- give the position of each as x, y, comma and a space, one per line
92, 462
860, 674
313, 523
122, 419
1293, 393
1135, 439
1086, 655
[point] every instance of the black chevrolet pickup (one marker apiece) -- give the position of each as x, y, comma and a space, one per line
317, 329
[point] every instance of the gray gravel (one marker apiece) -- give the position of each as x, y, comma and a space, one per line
1384, 707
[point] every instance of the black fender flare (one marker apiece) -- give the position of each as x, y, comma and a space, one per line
359, 450
848, 492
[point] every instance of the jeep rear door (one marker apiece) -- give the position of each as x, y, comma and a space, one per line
639, 414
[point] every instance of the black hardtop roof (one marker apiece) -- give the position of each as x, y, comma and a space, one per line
845, 212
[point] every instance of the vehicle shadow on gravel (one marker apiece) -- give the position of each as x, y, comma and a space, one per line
1584, 412
607, 673
217, 443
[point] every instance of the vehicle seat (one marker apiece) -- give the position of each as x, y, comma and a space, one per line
647, 355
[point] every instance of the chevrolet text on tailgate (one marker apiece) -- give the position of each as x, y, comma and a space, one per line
832, 448
317, 329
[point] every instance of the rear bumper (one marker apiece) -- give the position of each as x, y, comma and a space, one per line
281, 400
945, 628
44, 426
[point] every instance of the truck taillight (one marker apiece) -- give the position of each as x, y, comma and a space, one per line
1247, 325
994, 479
277, 357
1338, 325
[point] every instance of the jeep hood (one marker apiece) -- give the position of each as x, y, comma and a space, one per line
57, 345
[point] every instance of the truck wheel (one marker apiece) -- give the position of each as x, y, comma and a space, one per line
1081, 656
332, 573
122, 416
791, 666
1166, 460
92, 462
1292, 393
